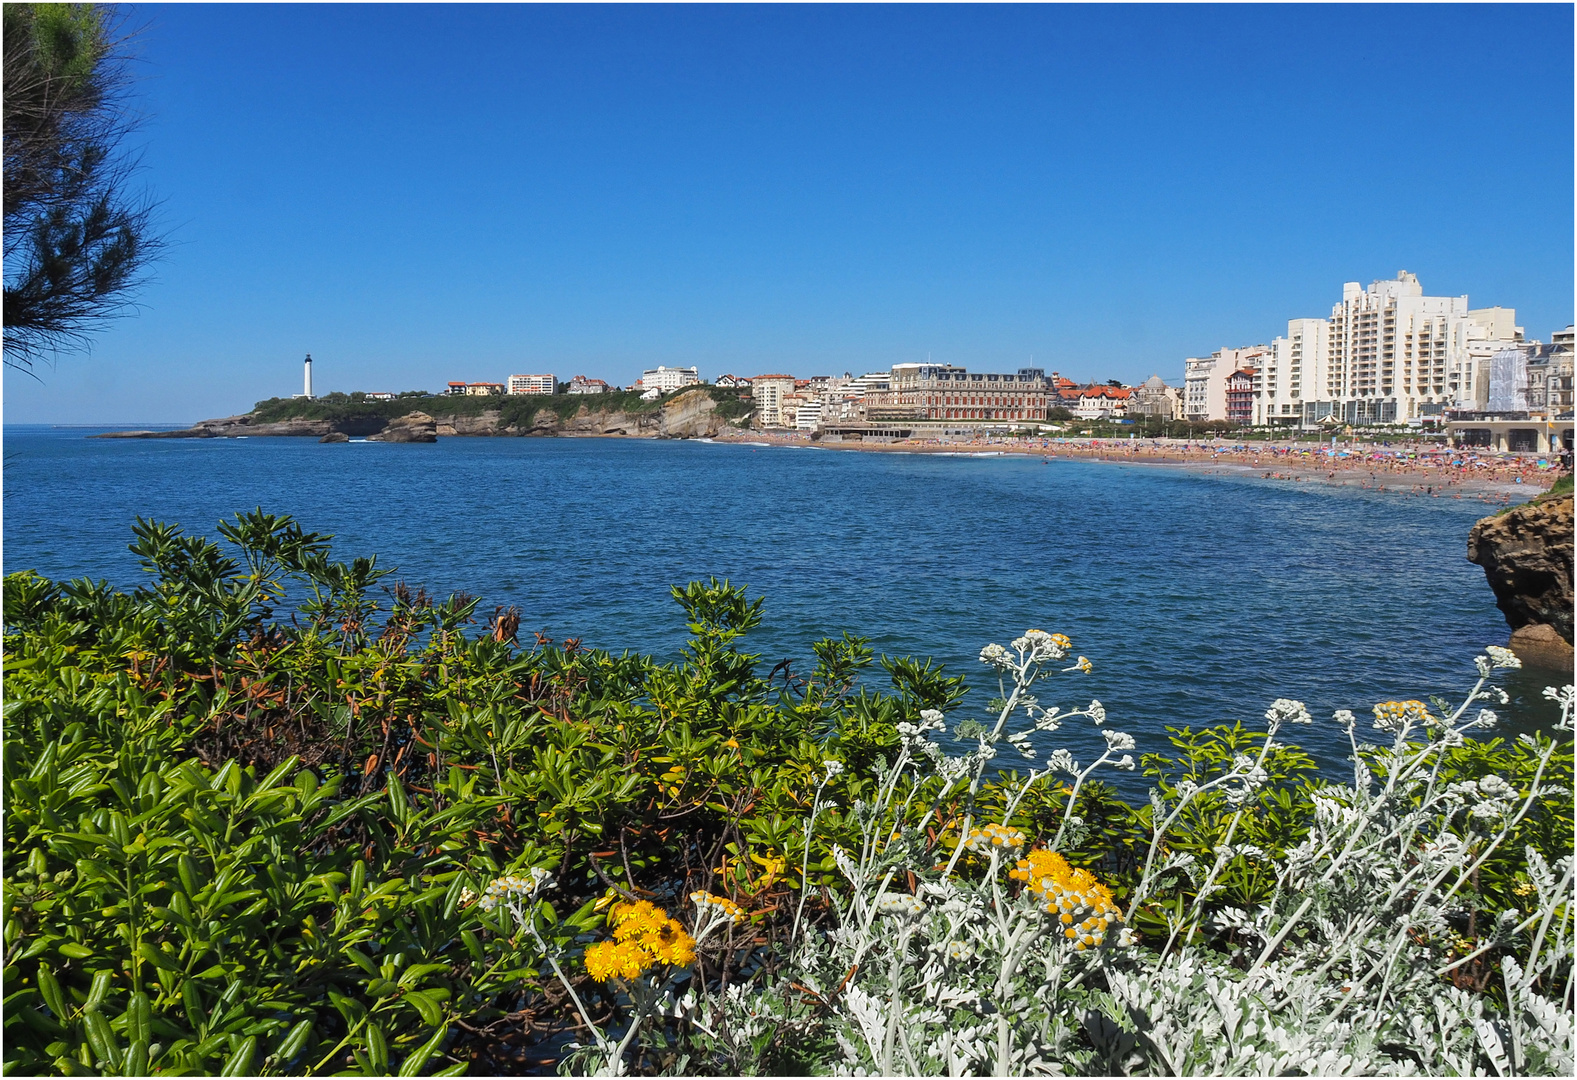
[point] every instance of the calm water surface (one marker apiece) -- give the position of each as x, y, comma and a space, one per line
1199, 598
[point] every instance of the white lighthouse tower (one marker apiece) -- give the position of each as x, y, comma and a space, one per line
307, 384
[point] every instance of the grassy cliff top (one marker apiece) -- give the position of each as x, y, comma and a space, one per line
512, 409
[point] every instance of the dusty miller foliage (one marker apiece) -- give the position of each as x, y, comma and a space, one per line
1341, 972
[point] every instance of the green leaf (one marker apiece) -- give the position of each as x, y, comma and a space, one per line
294, 1042
377, 1048
431, 1014
417, 1059
240, 1062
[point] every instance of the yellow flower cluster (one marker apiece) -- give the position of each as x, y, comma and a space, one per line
1062, 640
1081, 903
1393, 712
723, 904
995, 836
643, 935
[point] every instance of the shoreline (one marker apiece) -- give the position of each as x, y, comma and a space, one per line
1399, 470
1403, 469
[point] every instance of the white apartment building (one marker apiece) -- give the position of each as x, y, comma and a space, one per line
1387, 355
1205, 380
665, 379
532, 384
768, 393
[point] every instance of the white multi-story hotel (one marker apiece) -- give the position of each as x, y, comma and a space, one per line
1387, 355
667, 379
532, 384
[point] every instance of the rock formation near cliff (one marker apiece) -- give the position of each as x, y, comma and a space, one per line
692, 414
416, 427
1526, 554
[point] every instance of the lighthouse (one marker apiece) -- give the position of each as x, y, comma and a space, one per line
307, 380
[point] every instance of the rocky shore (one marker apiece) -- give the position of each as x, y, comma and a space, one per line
1526, 553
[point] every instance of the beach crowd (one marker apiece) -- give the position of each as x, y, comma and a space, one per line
1410, 467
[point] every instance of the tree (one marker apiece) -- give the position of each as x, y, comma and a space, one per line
77, 239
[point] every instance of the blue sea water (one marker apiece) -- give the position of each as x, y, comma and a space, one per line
1200, 598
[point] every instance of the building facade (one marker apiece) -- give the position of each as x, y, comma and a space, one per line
1205, 379
532, 384
668, 379
1241, 395
946, 392
582, 385
1153, 398
768, 393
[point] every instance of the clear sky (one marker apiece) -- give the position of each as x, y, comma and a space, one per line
416, 194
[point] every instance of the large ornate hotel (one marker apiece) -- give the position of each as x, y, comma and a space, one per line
945, 392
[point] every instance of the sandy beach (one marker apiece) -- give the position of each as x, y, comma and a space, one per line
1404, 468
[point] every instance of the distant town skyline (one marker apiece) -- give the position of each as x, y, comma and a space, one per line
426, 193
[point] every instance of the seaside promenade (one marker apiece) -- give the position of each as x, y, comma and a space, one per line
1405, 467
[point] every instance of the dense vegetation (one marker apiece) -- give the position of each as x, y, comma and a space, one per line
373, 832
514, 410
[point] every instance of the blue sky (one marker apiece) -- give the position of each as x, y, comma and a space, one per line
415, 194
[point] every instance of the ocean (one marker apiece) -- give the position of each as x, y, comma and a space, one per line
1199, 598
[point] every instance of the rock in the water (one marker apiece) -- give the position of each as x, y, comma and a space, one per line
412, 427
1526, 554
1538, 645
335, 436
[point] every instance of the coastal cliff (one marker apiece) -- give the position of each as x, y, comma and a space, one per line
700, 412
1526, 554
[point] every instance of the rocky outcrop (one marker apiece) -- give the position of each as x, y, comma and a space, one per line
692, 414
1526, 554
230, 427
335, 436
688, 415
416, 427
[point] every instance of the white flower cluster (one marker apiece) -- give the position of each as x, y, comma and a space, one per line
1288, 711
1097, 712
1062, 760
1039, 646
1492, 796
515, 888
833, 767
995, 836
961, 951
996, 656
914, 735
1251, 776
900, 904
1502, 657
1020, 742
